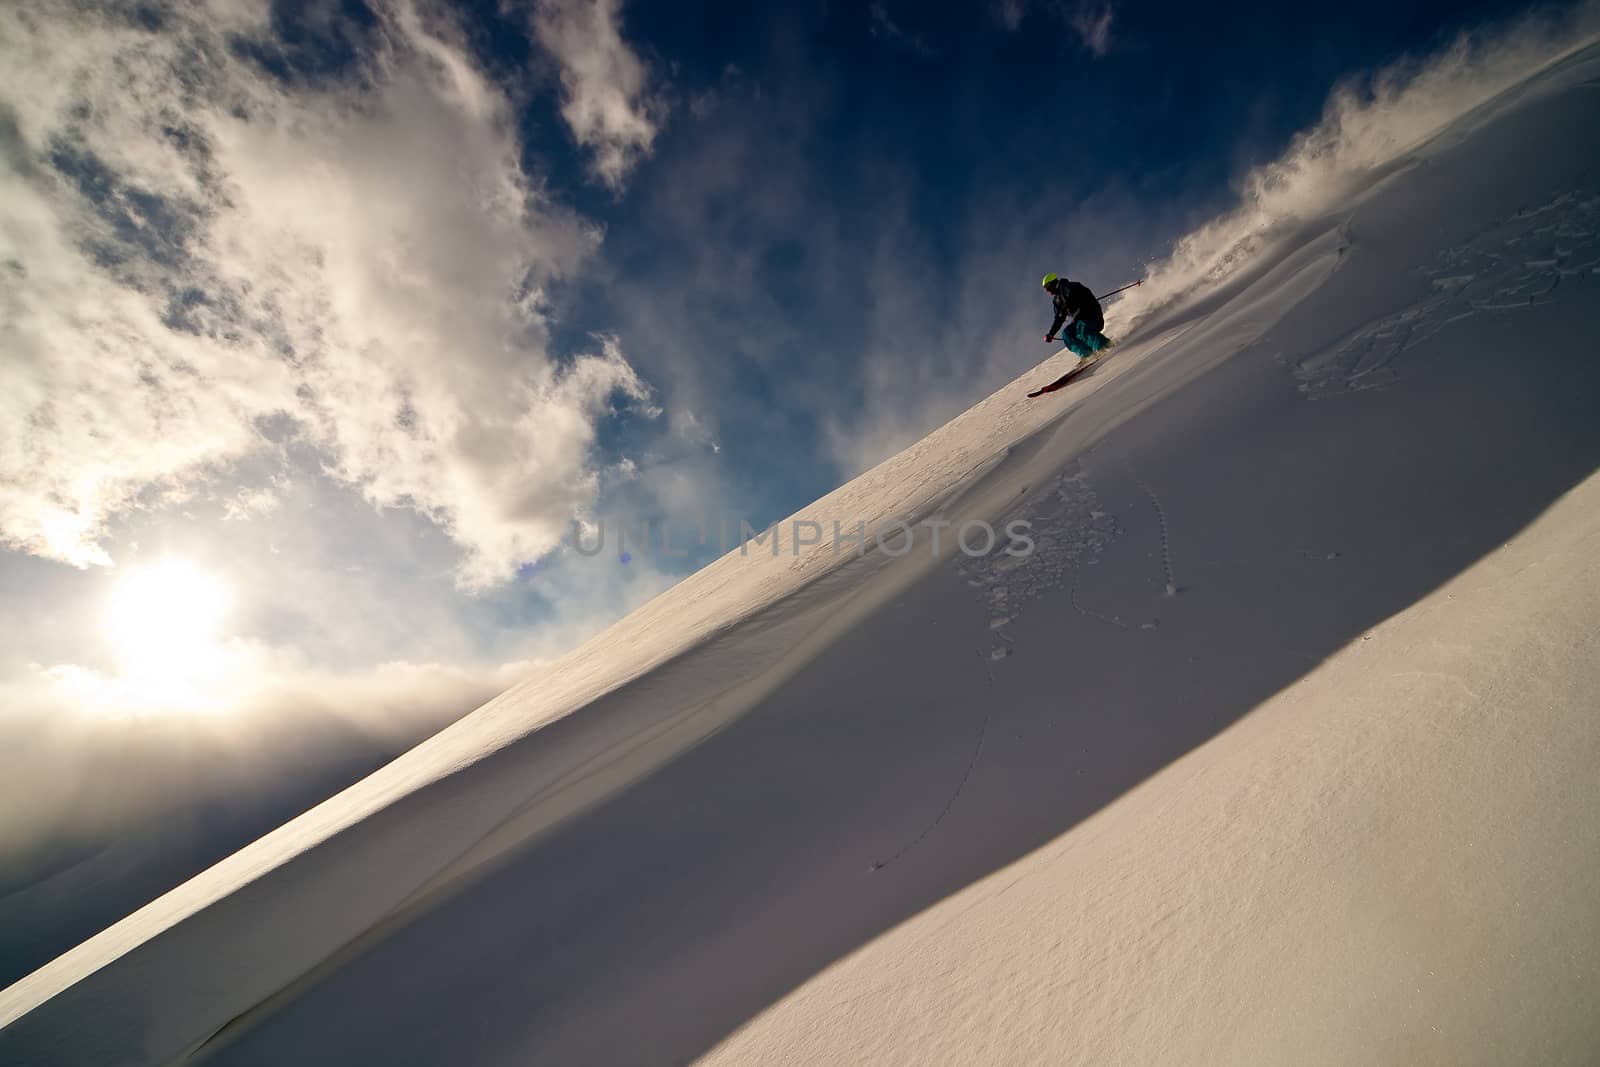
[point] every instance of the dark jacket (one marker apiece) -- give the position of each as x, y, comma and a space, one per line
1075, 301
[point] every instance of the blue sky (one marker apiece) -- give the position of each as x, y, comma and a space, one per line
356, 308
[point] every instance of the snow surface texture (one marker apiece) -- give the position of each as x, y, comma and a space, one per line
1279, 749
1514, 266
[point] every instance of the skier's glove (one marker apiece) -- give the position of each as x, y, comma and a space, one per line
1048, 339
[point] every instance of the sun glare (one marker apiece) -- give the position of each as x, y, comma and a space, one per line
164, 622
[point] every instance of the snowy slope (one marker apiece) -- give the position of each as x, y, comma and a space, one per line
1274, 750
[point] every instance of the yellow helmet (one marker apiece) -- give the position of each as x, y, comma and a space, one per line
1048, 278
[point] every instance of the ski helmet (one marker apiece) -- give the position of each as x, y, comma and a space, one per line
1048, 278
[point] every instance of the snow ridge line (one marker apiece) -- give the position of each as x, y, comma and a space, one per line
977, 750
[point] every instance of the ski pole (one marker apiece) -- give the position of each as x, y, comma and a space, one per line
1114, 292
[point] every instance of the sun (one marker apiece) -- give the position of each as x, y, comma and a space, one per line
164, 623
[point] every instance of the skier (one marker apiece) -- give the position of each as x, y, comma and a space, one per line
1078, 317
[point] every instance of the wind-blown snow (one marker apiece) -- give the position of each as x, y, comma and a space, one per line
1277, 750
1393, 118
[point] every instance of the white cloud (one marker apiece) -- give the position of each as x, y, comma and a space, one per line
1090, 21
1093, 25
606, 96
885, 28
247, 502
258, 684
86, 758
192, 248
1009, 13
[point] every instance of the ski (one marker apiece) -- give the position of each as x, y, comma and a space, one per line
1066, 379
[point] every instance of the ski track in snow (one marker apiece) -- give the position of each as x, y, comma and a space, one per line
1171, 583
1110, 620
955, 794
1515, 265
1069, 529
